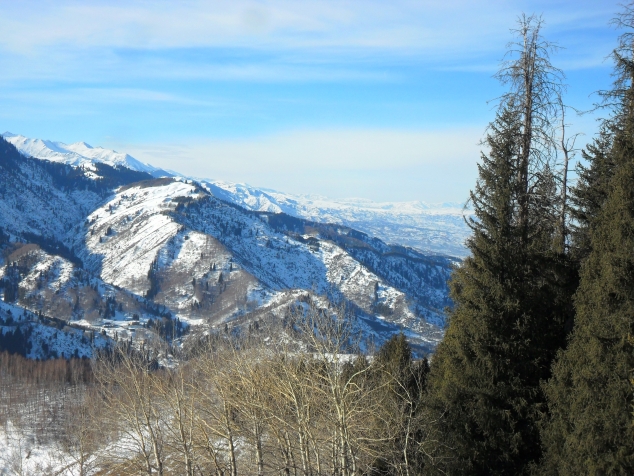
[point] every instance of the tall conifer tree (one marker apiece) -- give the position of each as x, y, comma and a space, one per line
590, 193
590, 395
510, 303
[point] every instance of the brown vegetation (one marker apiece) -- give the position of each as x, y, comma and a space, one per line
237, 405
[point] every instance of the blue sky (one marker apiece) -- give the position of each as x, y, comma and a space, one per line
385, 100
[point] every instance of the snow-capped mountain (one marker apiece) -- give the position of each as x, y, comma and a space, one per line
431, 228
78, 154
121, 253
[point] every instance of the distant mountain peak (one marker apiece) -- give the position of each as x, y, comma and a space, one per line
430, 227
79, 154
83, 145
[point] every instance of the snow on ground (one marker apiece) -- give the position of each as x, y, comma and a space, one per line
437, 228
20, 454
125, 235
58, 271
281, 262
47, 340
66, 343
30, 203
212, 259
78, 154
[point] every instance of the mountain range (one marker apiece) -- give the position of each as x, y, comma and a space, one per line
99, 246
431, 228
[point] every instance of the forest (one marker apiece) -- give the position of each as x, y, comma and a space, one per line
235, 404
534, 376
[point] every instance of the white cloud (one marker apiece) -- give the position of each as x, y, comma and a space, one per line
331, 30
375, 163
282, 23
336, 149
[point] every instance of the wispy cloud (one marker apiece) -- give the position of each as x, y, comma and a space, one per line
308, 40
260, 25
340, 97
349, 162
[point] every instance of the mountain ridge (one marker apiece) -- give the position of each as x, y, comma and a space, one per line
78, 154
126, 258
431, 228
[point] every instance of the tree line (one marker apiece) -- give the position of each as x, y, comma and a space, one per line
534, 375
251, 403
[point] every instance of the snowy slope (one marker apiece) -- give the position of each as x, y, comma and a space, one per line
78, 154
285, 252
32, 202
435, 228
43, 206
125, 234
119, 252
201, 257
44, 339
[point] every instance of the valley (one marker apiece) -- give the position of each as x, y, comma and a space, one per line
98, 242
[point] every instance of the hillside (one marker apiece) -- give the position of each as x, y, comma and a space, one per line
125, 255
430, 228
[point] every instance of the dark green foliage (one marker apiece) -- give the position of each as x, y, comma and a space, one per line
153, 278
591, 190
4, 238
167, 327
15, 340
283, 222
403, 382
109, 309
112, 177
10, 290
11, 282
395, 358
513, 295
52, 246
590, 395
507, 323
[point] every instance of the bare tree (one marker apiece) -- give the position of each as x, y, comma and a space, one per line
567, 147
17, 442
128, 391
177, 389
535, 90
348, 398
216, 424
82, 435
293, 382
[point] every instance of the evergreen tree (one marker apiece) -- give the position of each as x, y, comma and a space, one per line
591, 190
512, 295
395, 357
402, 381
590, 395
